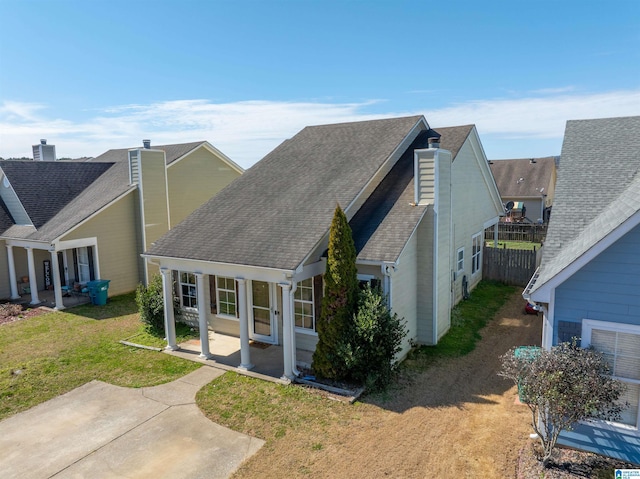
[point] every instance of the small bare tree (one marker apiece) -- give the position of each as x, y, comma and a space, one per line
562, 386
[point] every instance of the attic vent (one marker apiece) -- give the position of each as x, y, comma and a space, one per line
134, 167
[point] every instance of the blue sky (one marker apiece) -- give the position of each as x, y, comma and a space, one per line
245, 75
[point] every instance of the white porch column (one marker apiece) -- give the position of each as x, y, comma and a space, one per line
12, 274
169, 320
33, 282
287, 339
57, 287
495, 235
245, 350
202, 318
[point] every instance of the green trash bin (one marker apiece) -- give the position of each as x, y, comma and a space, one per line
98, 291
526, 352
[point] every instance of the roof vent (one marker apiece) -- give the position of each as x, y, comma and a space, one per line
532, 161
146, 144
434, 142
43, 142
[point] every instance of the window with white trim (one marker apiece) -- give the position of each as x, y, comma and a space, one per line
620, 344
303, 306
84, 271
460, 260
476, 253
226, 291
188, 290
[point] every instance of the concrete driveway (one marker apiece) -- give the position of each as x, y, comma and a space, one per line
104, 431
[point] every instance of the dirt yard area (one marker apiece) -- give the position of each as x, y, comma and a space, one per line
456, 419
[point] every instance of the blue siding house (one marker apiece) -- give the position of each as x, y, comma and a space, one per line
588, 284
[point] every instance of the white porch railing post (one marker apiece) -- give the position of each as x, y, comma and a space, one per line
287, 339
169, 320
13, 280
33, 282
245, 350
57, 287
202, 318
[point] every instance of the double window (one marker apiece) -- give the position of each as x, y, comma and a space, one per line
620, 344
476, 253
188, 290
226, 295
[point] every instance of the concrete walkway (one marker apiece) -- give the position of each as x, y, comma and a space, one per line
104, 431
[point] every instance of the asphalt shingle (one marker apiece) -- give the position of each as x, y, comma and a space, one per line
598, 188
278, 210
536, 176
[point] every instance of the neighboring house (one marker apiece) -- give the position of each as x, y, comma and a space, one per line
66, 223
588, 284
529, 183
250, 261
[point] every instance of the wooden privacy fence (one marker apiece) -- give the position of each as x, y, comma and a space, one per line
518, 232
510, 266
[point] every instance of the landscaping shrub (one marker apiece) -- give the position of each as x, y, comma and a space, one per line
377, 338
151, 305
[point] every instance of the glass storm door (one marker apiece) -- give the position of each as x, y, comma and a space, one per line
262, 312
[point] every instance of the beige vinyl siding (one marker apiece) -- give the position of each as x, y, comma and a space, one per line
473, 205
425, 279
194, 180
153, 178
115, 229
404, 292
444, 267
5, 289
306, 342
154, 195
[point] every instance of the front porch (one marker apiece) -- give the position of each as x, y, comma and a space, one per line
267, 359
48, 299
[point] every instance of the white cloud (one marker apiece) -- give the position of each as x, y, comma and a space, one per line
247, 130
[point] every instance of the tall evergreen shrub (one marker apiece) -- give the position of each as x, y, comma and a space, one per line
331, 358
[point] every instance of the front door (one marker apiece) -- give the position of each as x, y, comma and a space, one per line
262, 317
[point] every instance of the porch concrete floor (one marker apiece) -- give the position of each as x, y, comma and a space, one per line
267, 359
47, 299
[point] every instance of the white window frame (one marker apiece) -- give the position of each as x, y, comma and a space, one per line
476, 256
192, 289
226, 290
302, 329
459, 260
588, 325
83, 267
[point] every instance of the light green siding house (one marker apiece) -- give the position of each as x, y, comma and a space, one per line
250, 261
65, 223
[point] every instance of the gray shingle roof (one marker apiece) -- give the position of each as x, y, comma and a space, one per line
384, 224
172, 152
278, 210
74, 190
535, 175
598, 188
45, 187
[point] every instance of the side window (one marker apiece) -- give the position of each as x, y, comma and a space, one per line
460, 260
188, 290
476, 253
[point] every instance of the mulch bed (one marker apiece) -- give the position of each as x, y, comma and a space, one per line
567, 464
10, 313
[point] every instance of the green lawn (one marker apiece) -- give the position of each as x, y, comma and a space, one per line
45, 356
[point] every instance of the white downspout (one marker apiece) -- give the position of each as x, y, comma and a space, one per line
294, 351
